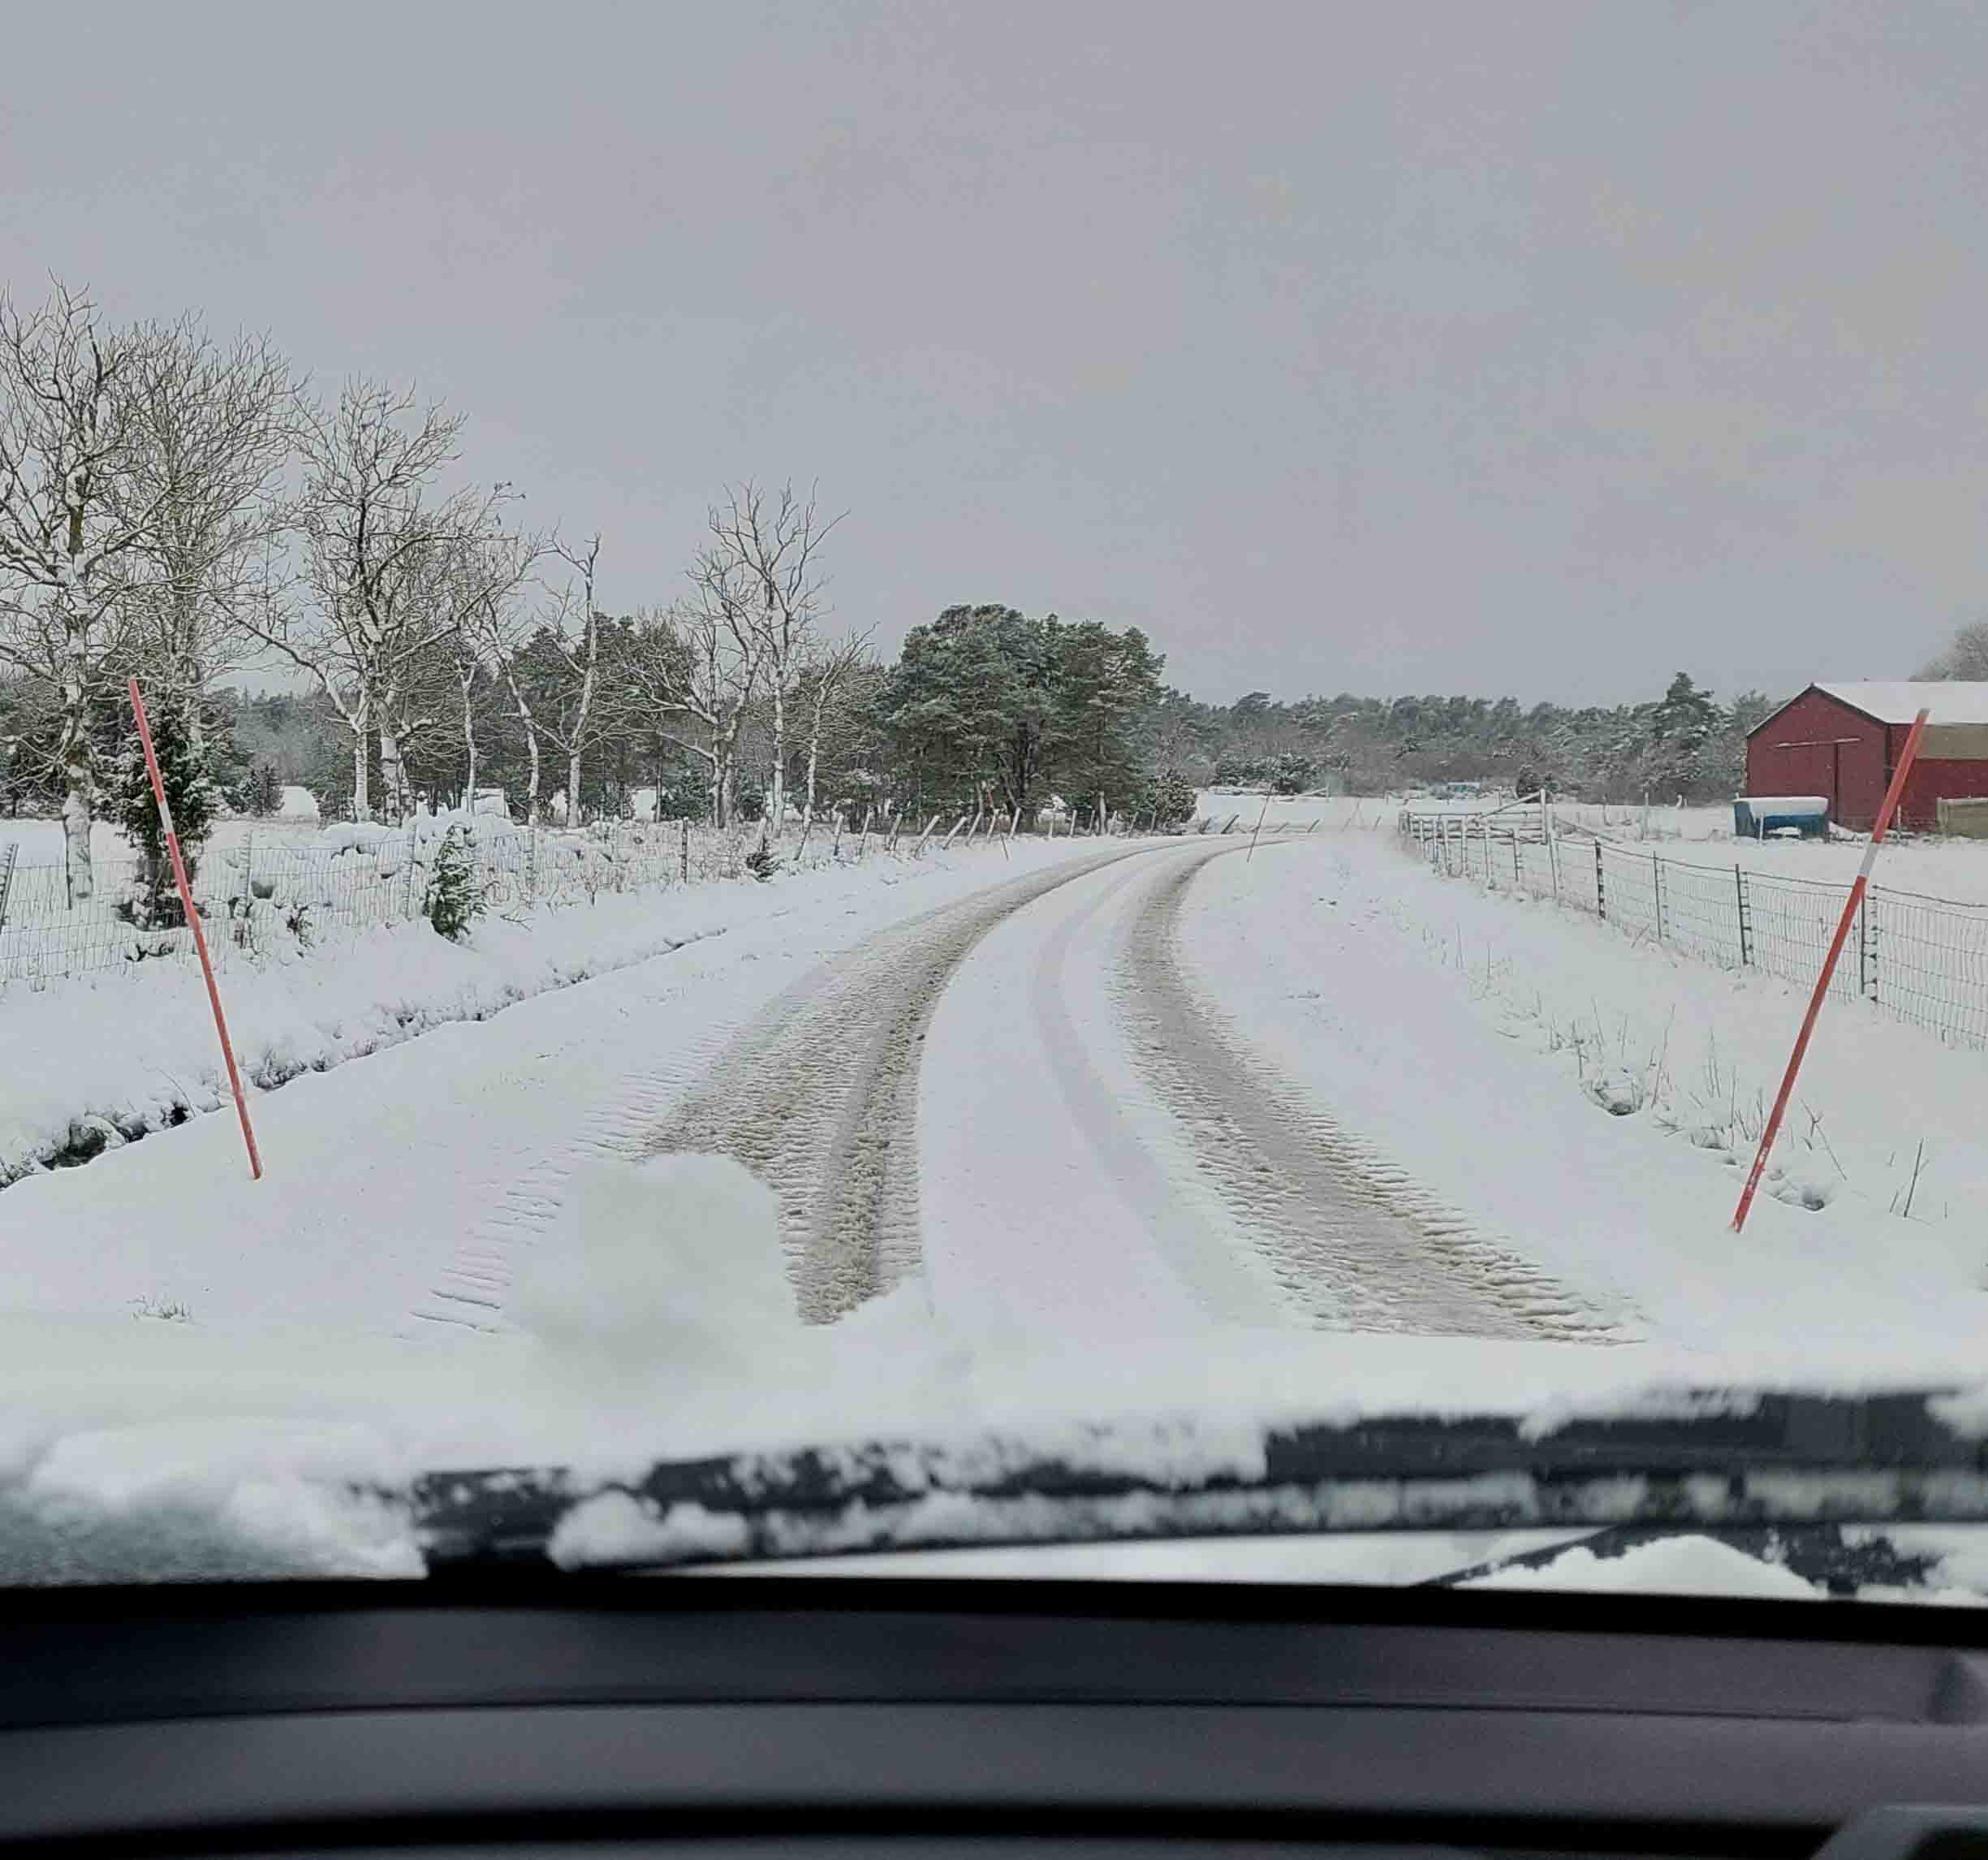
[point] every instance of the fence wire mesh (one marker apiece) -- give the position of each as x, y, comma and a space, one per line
266, 896
1920, 960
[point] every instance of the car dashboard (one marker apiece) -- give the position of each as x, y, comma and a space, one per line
700, 1717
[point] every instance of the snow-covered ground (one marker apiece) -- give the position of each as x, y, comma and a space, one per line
1954, 869
1176, 1131
1288, 812
1477, 1038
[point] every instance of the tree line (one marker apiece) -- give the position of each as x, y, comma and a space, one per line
182, 508
179, 508
1683, 742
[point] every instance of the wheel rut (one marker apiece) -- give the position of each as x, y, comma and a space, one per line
818, 1097
1355, 1243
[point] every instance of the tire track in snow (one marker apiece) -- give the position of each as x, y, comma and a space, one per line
1347, 1233
470, 1291
818, 1097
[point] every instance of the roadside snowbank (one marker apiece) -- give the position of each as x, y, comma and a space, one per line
99, 1061
1597, 1101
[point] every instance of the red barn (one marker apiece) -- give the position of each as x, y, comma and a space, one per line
1843, 741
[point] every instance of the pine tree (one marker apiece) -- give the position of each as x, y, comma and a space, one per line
262, 794
195, 797
454, 899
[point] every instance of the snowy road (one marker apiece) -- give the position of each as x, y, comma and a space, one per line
1008, 1084
1022, 1100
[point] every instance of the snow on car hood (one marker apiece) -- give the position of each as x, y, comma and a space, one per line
655, 1323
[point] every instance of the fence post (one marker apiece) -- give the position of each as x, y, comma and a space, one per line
1866, 950
1656, 885
1600, 891
410, 849
1746, 941
1516, 875
683, 856
8, 853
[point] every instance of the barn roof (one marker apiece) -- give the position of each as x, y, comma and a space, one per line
1952, 700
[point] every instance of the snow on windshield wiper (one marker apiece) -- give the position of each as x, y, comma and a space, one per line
1715, 1460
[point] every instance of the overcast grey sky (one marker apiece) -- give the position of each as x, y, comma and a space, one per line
1527, 349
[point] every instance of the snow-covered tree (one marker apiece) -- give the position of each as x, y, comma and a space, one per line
1963, 656
691, 672
827, 677
768, 543
75, 510
570, 707
194, 795
453, 899
390, 570
217, 427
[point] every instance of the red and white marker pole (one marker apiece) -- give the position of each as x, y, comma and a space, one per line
1829, 966
193, 921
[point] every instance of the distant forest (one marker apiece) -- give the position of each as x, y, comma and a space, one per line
879, 748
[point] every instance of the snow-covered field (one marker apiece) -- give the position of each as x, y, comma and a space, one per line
1176, 1130
1953, 870
1288, 812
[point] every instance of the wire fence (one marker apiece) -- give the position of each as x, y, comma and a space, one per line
269, 896
1923, 961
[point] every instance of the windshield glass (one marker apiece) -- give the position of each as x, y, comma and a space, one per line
996, 789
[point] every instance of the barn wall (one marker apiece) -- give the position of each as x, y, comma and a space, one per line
1864, 767
1935, 778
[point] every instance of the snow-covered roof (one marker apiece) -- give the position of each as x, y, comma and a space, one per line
1952, 700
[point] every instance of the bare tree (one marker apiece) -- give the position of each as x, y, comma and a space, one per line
74, 511
824, 676
216, 428
694, 669
491, 627
388, 568
769, 543
571, 716
1964, 656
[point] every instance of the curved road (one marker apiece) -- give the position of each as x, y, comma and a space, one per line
1024, 1100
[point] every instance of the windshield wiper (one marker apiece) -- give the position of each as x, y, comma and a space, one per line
1711, 1459
1822, 1553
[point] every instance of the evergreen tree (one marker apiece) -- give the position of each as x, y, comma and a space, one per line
454, 898
262, 793
195, 796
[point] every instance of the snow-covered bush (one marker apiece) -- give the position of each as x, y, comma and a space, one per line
455, 897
